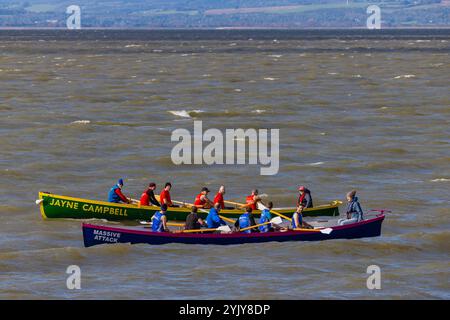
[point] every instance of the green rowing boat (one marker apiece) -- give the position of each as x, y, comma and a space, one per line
56, 206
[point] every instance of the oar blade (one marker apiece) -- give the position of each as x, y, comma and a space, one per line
326, 230
261, 206
276, 220
224, 229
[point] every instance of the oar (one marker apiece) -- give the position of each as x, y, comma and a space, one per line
221, 228
171, 224
324, 231
235, 203
276, 220
202, 210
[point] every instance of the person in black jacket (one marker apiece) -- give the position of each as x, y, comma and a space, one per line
304, 199
193, 222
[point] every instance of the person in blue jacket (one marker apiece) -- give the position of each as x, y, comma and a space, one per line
354, 210
116, 195
213, 219
159, 220
246, 220
265, 217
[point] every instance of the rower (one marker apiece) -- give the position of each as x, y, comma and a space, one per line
148, 197
265, 217
253, 199
304, 199
354, 211
164, 196
193, 221
159, 220
219, 197
116, 195
297, 220
202, 200
246, 220
213, 219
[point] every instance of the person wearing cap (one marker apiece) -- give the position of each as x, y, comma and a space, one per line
159, 220
193, 222
202, 201
253, 199
213, 219
354, 210
116, 195
148, 197
164, 196
304, 199
246, 220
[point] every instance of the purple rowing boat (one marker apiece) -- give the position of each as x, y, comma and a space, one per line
98, 234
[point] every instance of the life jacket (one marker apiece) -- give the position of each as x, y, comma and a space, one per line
219, 199
244, 222
265, 217
144, 199
249, 201
302, 201
165, 195
113, 196
300, 219
157, 225
199, 201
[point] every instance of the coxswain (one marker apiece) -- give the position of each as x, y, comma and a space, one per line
354, 211
159, 220
116, 195
246, 220
202, 201
253, 199
148, 197
213, 219
304, 199
164, 197
193, 222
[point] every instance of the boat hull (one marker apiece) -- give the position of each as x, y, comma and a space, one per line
56, 206
96, 235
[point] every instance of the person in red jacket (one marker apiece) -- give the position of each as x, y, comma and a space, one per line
164, 196
202, 201
148, 197
253, 199
219, 197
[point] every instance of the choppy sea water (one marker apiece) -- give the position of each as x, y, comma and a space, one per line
79, 110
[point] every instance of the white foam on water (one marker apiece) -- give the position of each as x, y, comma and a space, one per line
440, 180
315, 163
259, 111
238, 90
275, 55
184, 113
405, 76
81, 122
133, 46
271, 79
